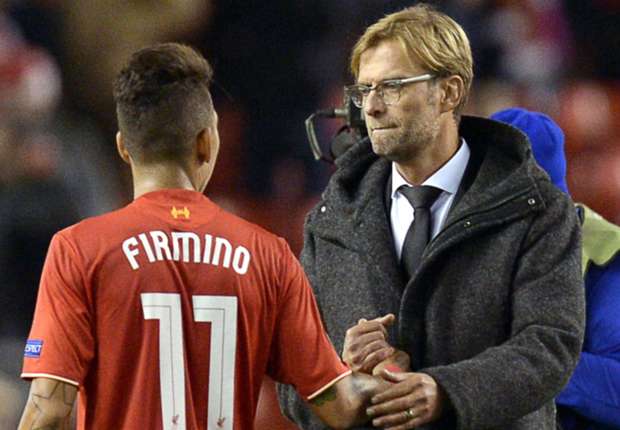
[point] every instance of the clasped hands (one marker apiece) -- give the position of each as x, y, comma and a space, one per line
413, 399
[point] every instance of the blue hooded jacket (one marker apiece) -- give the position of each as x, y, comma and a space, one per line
591, 400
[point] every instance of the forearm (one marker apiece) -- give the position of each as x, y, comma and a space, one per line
49, 405
296, 409
344, 404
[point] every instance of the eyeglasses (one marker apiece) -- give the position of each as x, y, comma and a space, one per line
388, 90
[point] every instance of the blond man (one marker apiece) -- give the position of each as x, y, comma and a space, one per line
445, 221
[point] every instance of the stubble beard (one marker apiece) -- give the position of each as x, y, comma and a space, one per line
412, 138
407, 143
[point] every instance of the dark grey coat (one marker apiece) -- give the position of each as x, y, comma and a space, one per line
495, 312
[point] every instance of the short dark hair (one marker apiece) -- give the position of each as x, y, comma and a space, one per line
163, 101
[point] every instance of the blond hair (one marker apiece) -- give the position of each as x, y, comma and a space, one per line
432, 38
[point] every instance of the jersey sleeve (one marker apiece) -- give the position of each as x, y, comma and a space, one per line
61, 342
302, 355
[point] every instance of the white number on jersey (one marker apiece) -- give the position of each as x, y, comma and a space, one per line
221, 312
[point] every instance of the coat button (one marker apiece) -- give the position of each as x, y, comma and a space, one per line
531, 201
323, 209
467, 224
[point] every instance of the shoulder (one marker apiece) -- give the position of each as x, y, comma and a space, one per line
557, 215
100, 226
360, 175
356, 170
238, 226
270, 248
552, 196
271, 254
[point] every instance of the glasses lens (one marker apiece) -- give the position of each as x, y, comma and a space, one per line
356, 96
391, 92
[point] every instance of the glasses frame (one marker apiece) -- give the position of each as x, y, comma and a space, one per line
365, 90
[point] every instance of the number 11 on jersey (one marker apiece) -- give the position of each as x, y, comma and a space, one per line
221, 312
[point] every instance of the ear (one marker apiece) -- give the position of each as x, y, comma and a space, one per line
208, 144
207, 147
452, 92
203, 146
122, 150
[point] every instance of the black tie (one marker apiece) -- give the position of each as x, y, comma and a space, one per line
421, 198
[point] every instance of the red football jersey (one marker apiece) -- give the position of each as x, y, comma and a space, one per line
167, 314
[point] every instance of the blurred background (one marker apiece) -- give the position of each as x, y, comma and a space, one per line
276, 61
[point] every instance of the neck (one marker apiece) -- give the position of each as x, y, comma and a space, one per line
155, 177
421, 166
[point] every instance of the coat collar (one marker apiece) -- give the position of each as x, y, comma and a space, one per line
353, 210
501, 165
353, 213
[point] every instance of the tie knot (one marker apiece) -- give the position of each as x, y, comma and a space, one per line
420, 196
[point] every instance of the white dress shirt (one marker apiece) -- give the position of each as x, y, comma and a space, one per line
447, 179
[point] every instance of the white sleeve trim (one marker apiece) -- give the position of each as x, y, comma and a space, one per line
329, 384
47, 375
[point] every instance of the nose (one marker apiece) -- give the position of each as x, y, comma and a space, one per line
373, 104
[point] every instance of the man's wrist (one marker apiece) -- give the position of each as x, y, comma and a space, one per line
394, 368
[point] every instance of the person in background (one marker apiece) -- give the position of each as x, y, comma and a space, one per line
591, 400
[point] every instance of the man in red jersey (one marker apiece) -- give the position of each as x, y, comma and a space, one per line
167, 313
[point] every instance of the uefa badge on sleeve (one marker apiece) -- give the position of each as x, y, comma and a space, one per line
33, 348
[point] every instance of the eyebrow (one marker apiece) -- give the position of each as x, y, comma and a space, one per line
383, 80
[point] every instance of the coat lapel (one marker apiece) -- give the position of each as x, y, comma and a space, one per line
378, 245
374, 233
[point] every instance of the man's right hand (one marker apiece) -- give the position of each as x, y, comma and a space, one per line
365, 344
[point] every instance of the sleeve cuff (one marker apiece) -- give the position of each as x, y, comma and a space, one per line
26, 375
329, 384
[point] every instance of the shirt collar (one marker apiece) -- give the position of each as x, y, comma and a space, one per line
447, 178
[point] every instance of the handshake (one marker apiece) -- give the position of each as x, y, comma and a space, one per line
412, 399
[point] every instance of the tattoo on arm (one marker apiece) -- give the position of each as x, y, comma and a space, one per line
326, 396
49, 405
56, 391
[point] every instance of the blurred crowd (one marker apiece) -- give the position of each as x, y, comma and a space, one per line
276, 62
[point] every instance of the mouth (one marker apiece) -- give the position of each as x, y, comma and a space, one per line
381, 128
